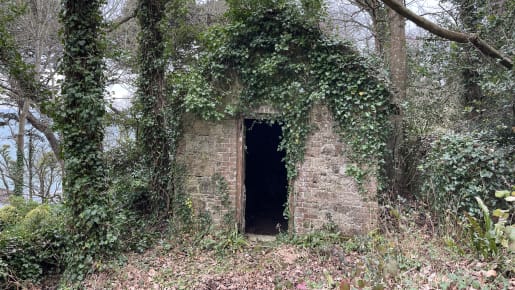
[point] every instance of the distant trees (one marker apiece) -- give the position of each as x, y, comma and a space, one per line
28, 54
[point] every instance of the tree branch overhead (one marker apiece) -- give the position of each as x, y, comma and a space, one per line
456, 36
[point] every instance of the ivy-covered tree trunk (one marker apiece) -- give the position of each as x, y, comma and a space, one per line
83, 133
153, 135
472, 94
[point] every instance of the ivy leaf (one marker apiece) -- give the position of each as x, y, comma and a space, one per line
485, 173
501, 213
502, 193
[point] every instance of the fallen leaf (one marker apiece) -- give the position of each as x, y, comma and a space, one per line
345, 285
152, 272
491, 273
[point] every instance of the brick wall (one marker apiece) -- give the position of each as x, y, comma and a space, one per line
207, 148
323, 192
321, 189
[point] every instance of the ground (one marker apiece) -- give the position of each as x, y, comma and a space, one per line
409, 258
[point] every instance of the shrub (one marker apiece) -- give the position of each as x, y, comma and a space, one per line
8, 216
33, 241
460, 167
37, 218
22, 205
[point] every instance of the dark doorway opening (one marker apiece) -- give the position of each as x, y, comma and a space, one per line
266, 184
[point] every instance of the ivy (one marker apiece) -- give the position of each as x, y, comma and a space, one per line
155, 135
90, 223
274, 54
460, 167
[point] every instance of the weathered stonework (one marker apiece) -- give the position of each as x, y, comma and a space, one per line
322, 191
206, 149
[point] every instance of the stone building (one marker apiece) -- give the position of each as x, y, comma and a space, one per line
243, 152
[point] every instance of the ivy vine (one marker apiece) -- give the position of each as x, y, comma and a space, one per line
278, 56
92, 233
156, 119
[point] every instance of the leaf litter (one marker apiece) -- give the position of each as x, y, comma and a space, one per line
274, 265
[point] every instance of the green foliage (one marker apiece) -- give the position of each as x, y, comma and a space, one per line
157, 124
93, 235
18, 173
384, 260
128, 177
489, 237
222, 191
8, 216
319, 239
131, 200
181, 28
465, 71
184, 215
462, 280
460, 167
17, 208
484, 237
224, 242
273, 54
32, 243
22, 205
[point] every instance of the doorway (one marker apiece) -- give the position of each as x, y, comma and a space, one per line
266, 183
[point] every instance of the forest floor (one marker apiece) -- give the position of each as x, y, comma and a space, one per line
407, 258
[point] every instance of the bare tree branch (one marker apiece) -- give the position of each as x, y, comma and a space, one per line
460, 37
6, 117
49, 134
8, 89
357, 23
115, 24
9, 116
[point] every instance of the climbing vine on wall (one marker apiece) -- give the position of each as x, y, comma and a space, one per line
276, 56
92, 235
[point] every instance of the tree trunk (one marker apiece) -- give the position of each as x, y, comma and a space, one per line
90, 221
398, 75
31, 165
380, 24
45, 128
83, 131
379, 16
20, 150
390, 44
153, 135
472, 93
